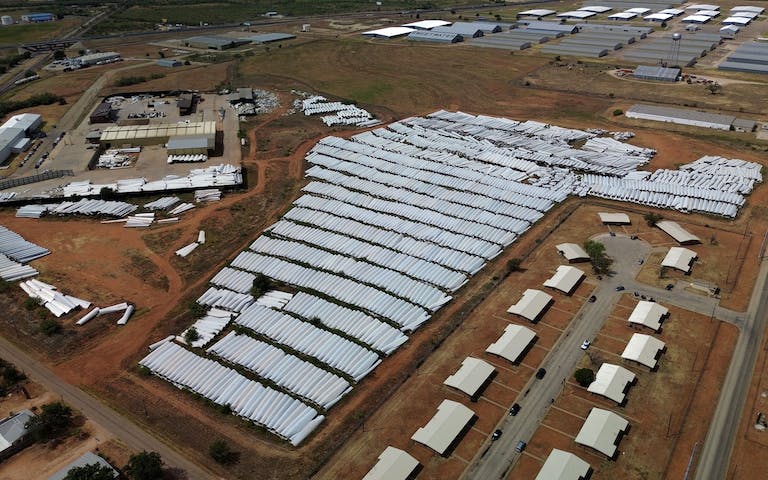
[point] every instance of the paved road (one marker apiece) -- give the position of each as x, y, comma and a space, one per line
716, 454
494, 460
131, 435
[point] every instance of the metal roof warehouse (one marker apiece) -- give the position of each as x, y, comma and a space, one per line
444, 427
649, 314
565, 279
602, 431
562, 465
674, 230
471, 376
156, 133
680, 116
393, 464
612, 381
512, 342
531, 305
643, 349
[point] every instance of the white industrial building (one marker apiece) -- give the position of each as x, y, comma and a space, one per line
738, 21
536, 13
393, 464
649, 314
562, 465
602, 431
674, 230
680, 116
565, 279
614, 218
573, 252
699, 7
471, 377
15, 132
612, 381
532, 304
512, 342
97, 58
622, 16
596, 9
643, 349
389, 32
679, 258
748, 8
427, 24
444, 427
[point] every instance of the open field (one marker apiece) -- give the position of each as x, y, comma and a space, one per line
37, 32
393, 81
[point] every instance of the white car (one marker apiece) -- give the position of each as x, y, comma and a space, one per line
585, 344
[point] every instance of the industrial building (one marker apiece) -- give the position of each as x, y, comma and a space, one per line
517, 39
189, 145
648, 314
451, 419
640, 32
612, 381
681, 116
155, 134
212, 42
545, 26
750, 57
531, 305
512, 343
643, 349
13, 433
427, 24
436, 37
602, 430
536, 13
268, 38
566, 279
572, 252
88, 458
679, 258
562, 465
38, 17
103, 113
656, 73
473, 375
674, 230
576, 14
97, 58
169, 62
466, 30
388, 32
15, 133
393, 464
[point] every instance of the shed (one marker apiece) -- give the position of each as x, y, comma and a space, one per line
622, 16
471, 377
748, 8
512, 343
680, 116
536, 13
656, 73
596, 9
643, 349
562, 465
547, 26
576, 14
702, 6
88, 458
679, 258
696, 19
638, 10
486, 27
169, 62
672, 11
532, 304
613, 218
612, 381
427, 24
393, 464
13, 433
743, 124
451, 419
658, 17
573, 252
436, 37
649, 314
103, 113
268, 37
389, 32
738, 21
674, 230
466, 30
708, 13
751, 15
565, 279
189, 145
602, 430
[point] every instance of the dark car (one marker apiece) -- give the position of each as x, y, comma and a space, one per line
540, 373
520, 446
670, 286
620, 288
496, 435
592, 299
514, 409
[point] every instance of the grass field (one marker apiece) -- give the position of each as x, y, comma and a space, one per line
35, 32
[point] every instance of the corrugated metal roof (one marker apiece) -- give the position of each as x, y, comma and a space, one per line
269, 37
87, 459
180, 143
663, 74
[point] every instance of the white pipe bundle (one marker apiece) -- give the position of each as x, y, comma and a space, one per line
181, 208
201, 237
128, 312
157, 344
54, 301
186, 250
113, 308
168, 220
88, 316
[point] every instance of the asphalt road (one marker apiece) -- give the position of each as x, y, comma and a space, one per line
123, 429
495, 459
716, 453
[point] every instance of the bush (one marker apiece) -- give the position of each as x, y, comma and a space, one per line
92, 471
584, 376
652, 218
53, 420
191, 335
31, 304
618, 112
261, 284
128, 81
107, 193
223, 453
197, 310
49, 326
513, 265
145, 466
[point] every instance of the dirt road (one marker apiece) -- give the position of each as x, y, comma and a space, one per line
134, 437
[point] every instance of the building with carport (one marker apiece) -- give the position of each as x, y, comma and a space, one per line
393, 464
648, 314
445, 427
473, 375
602, 431
614, 218
512, 343
531, 305
573, 252
562, 465
643, 349
565, 279
679, 258
612, 381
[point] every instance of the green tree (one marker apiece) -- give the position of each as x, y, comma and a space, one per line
53, 420
601, 263
59, 55
4, 286
93, 471
223, 453
513, 264
49, 326
584, 376
197, 310
191, 335
261, 284
652, 218
145, 466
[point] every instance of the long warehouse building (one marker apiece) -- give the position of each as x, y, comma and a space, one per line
154, 134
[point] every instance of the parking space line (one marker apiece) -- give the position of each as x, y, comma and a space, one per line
554, 407
457, 457
509, 369
492, 402
479, 431
534, 456
607, 352
506, 386
557, 430
552, 326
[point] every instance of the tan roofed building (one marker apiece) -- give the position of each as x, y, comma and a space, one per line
602, 431
643, 349
154, 134
612, 381
565, 279
561, 465
614, 218
532, 304
444, 427
393, 464
471, 377
679, 258
573, 252
512, 342
674, 230
649, 314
